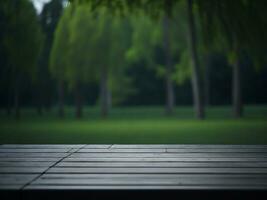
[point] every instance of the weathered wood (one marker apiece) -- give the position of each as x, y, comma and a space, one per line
217, 150
145, 181
21, 159
167, 159
180, 170
32, 155
97, 146
182, 150
15, 179
147, 176
97, 168
110, 150
166, 155
26, 164
100, 188
22, 170
40, 146
33, 150
10, 187
162, 164
193, 146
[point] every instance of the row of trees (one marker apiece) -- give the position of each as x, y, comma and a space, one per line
20, 45
98, 41
237, 28
89, 46
98, 45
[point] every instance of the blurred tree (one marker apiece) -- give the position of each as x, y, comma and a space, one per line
155, 9
59, 57
238, 27
49, 18
164, 34
196, 74
94, 46
4, 69
168, 60
21, 40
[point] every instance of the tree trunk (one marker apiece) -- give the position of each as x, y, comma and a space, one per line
61, 112
170, 96
236, 90
47, 105
78, 100
40, 109
207, 81
109, 99
16, 101
104, 96
39, 105
196, 83
8, 109
8, 105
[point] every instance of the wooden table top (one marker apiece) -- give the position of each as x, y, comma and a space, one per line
133, 167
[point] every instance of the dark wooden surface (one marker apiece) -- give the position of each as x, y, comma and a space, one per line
31, 171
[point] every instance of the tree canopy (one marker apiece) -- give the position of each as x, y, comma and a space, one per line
21, 36
87, 44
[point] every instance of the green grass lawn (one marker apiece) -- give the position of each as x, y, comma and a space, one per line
139, 125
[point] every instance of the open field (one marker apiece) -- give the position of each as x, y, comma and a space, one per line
137, 125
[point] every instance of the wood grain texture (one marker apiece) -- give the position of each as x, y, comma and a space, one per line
133, 167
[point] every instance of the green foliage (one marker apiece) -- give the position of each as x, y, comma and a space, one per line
59, 52
152, 7
88, 41
182, 70
148, 37
21, 38
232, 57
231, 24
49, 18
81, 57
72, 54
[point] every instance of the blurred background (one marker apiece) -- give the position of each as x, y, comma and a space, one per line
140, 71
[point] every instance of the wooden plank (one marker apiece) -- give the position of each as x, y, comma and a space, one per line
98, 167
41, 146
122, 150
169, 155
10, 187
167, 159
97, 146
21, 159
38, 150
147, 176
222, 150
25, 164
180, 170
186, 150
146, 187
22, 170
152, 181
135, 155
32, 155
179, 146
149, 180
162, 164
16, 179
